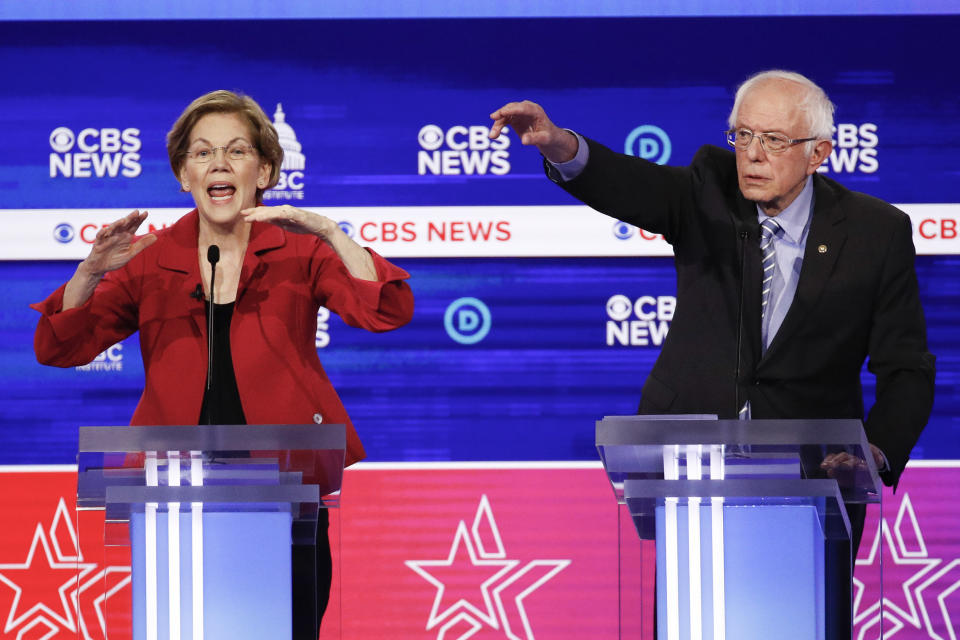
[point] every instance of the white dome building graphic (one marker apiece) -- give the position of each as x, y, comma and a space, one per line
293, 159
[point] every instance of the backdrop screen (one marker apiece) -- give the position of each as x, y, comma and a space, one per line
516, 347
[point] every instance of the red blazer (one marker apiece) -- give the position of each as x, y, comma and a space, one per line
284, 279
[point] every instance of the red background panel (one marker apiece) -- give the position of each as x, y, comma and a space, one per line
390, 517
556, 526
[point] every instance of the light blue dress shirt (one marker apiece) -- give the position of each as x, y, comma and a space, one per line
572, 168
789, 244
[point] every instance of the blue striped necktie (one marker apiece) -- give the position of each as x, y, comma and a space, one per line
768, 231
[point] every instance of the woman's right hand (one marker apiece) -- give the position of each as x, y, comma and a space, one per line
116, 244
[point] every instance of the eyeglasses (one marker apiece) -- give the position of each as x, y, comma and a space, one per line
236, 152
771, 142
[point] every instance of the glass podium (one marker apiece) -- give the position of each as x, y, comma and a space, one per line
205, 517
752, 538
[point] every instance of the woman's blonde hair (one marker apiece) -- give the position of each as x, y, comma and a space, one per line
265, 138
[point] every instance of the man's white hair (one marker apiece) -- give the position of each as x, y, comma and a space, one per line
815, 103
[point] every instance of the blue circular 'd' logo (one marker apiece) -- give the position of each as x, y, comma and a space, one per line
63, 233
467, 320
650, 143
623, 231
346, 227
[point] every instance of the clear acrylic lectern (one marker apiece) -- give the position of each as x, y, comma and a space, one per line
752, 538
207, 515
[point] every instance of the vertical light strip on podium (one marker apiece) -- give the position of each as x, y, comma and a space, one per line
173, 547
174, 560
697, 549
671, 471
196, 546
717, 472
150, 542
694, 472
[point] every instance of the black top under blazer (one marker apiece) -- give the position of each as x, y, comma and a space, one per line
857, 298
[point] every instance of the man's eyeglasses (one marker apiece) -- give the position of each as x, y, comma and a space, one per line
771, 142
236, 152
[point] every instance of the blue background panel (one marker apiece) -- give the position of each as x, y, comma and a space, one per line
358, 92
530, 390
251, 9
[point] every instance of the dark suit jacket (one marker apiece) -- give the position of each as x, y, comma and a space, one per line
857, 298
285, 277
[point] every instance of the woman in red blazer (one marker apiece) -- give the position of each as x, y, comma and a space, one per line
277, 266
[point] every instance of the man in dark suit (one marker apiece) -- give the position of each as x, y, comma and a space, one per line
832, 284
786, 281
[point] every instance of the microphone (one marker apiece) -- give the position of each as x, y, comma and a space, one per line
213, 257
744, 235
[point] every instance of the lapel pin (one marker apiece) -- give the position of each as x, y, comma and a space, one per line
822, 248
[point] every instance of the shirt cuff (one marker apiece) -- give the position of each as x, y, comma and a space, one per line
886, 463
573, 168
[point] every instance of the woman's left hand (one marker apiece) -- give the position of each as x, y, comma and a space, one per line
293, 220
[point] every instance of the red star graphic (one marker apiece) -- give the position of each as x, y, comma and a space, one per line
41, 584
462, 580
898, 600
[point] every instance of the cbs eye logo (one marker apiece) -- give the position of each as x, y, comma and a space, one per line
430, 137
62, 139
63, 233
623, 230
346, 227
619, 307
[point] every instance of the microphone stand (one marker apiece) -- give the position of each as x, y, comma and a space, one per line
213, 257
743, 266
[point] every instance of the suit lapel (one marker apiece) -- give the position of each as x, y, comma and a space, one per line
752, 271
178, 256
264, 237
824, 242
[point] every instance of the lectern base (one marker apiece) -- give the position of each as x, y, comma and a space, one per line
246, 576
772, 571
